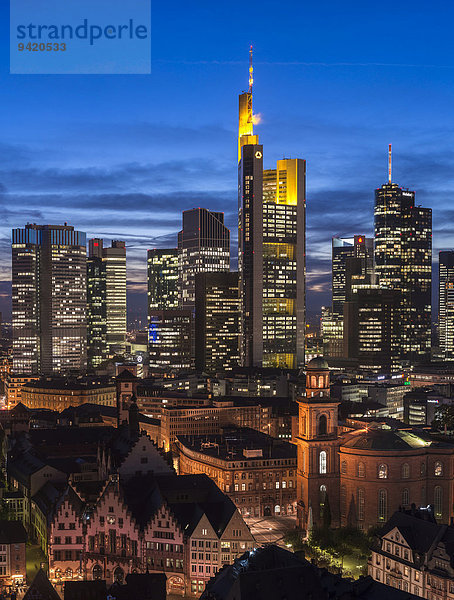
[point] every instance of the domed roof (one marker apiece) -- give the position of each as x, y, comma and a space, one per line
317, 364
386, 439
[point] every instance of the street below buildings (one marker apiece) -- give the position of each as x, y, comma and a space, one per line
270, 530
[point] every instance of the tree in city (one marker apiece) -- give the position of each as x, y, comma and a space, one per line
444, 418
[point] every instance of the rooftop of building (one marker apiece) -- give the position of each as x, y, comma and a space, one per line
70, 383
272, 572
239, 444
387, 439
421, 531
12, 532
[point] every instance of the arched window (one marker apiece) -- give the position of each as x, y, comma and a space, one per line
322, 462
119, 575
303, 425
360, 500
343, 500
69, 573
405, 497
320, 381
438, 501
314, 382
361, 470
383, 471
97, 572
382, 505
322, 497
322, 425
405, 471
344, 467
423, 469
438, 470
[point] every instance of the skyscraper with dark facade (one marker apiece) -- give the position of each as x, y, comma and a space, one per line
217, 317
96, 305
271, 251
49, 301
403, 258
446, 304
343, 250
203, 246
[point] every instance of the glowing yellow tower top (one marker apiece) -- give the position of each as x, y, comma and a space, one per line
246, 123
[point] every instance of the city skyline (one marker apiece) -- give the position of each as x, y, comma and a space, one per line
131, 175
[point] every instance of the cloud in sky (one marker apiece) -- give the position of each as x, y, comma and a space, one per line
140, 199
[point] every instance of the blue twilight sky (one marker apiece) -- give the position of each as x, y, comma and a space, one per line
335, 82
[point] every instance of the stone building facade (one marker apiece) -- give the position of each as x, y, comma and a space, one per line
365, 474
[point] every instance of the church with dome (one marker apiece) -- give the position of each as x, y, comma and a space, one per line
359, 477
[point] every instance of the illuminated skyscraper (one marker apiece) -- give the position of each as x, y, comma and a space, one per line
114, 259
403, 258
96, 305
162, 279
446, 304
271, 251
284, 210
217, 317
358, 247
106, 270
49, 307
170, 339
203, 246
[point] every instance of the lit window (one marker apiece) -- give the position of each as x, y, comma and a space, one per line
383, 471
322, 462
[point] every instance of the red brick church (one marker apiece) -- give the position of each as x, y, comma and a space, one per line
359, 477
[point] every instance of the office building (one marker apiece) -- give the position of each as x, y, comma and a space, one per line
255, 470
403, 258
371, 330
203, 246
163, 277
446, 304
106, 287
170, 339
49, 302
97, 351
217, 320
344, 253
271, 252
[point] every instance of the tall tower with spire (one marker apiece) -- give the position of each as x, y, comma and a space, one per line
271, 250
250, 231
246, 116
403, 258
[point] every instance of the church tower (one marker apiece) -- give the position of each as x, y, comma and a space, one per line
318, 445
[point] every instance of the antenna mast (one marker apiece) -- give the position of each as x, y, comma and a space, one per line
251, 78
389, 163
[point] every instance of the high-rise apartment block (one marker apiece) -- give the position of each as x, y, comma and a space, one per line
217, 319
446, 304
49, 308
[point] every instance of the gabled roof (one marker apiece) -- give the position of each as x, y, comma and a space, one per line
41, 588
418, 533
47, 498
